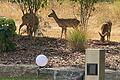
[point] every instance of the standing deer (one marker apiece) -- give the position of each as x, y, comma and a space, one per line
106, 30
64, 23
32, 23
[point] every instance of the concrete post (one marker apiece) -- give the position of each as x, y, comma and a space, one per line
95, 64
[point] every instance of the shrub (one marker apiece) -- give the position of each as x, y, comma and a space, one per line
77, 40
7, 32
10, 23
11, 26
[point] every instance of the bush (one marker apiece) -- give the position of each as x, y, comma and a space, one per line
77, 40
9, 23
11, 26
7, 32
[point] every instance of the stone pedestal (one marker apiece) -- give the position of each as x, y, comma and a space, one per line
95, 64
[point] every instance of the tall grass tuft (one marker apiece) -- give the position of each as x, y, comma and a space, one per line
77, 40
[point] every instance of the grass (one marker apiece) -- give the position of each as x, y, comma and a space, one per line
77, 39
29, 77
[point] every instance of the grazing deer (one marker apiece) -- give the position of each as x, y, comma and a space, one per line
32, 23
64, 23
106, 30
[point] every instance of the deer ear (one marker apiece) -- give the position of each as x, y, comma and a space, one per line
100, 34
52, 10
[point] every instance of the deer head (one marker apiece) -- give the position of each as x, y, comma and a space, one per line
52, 14
102, 36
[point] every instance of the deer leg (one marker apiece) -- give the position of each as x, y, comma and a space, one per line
65, 32
62, 32
34, 30
102, 39
28, 30
108, 37
21, 27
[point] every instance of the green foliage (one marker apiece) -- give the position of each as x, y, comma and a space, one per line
91, 1
117, 3
60, 1
7, 32
33, 4
9, 23
11, 26
86, 8
77, 40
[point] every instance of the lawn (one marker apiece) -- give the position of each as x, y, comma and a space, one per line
29, 77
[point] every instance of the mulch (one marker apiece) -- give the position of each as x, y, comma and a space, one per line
58, 53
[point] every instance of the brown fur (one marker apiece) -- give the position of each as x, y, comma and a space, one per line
64, 23
106, 31
31, 21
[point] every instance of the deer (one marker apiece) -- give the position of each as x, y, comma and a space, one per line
64, 23
32, 23
105, 31
29, 19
